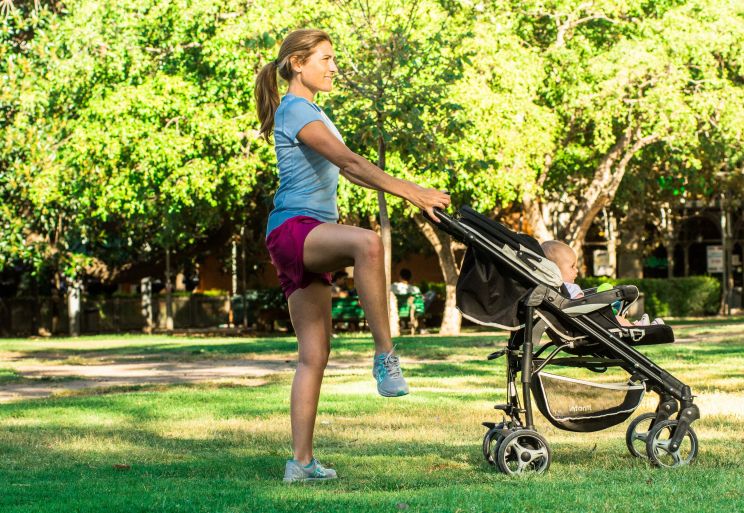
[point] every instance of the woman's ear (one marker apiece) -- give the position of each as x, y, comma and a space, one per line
295, 64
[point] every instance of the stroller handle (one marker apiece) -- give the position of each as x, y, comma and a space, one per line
447, 224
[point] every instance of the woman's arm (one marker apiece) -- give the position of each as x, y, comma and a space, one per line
360, 171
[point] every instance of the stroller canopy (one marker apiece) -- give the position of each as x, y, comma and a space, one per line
492, 283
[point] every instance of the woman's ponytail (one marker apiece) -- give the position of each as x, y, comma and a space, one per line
299, 43
267, 99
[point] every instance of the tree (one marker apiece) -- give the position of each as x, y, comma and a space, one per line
620, 77
702, 162
456, 102
126, 131
398, 66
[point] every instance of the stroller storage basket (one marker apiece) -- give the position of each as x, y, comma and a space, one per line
578, 405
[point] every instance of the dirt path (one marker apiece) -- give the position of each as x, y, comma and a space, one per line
38, 380
47, 380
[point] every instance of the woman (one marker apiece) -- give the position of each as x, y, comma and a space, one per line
302, 236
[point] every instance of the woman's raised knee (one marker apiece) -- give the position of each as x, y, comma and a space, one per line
369, 246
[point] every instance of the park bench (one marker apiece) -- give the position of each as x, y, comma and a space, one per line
266, 308
410, 310
348, 310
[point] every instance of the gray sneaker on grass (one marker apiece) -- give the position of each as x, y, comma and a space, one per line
296, 472
389, 377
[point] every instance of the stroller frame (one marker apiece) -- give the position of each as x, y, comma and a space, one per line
514, 445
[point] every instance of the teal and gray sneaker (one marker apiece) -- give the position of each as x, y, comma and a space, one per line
296, 472
387, 373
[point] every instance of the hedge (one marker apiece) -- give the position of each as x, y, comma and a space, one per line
675, 297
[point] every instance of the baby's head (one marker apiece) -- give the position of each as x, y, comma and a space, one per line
564, 257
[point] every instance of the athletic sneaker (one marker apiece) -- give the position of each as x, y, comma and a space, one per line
387, 373
296, 472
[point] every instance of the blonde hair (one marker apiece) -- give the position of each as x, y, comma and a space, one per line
556, 250
300, 43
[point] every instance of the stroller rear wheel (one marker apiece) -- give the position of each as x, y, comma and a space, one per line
658, 445
637, 433
523, 451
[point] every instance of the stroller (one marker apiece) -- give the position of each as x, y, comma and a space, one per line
507, 282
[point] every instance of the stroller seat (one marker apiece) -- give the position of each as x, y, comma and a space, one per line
632, 335
597, 306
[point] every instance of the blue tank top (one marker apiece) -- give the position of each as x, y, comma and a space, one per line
307, 180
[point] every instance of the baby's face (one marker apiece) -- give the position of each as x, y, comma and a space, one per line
567, 264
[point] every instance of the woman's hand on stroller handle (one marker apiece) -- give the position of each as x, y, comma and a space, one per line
428, 200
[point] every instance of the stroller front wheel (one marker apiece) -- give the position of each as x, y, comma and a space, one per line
659, 441
491, 442
522, 452
637, 434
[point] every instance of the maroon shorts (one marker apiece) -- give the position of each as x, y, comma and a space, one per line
286, 244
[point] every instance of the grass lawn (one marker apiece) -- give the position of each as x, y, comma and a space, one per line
222, 448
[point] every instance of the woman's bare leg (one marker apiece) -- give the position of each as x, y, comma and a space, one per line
310, 311
329, 247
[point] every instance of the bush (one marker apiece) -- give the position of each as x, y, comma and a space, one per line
439, 287
676, 297
209, 293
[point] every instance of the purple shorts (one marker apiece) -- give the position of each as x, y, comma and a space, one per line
286, 244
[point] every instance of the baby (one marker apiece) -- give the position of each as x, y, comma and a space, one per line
566, 260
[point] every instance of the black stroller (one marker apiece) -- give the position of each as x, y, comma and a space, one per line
507, 282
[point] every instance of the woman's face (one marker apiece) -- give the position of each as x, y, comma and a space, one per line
317, 72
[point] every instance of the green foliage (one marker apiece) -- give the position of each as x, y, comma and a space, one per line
509, 132
125, 129
129, 126
439, 287
265, 298
677, 297
396, 105
211, 293
651, 79
703, 41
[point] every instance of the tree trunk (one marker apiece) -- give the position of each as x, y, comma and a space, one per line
233, 284
56, 303
74, 299
244, 278
604, 184
168, 292
442, 243
611, 235
726, 278
534, 212
668, 237
668, 244
146, 294
534, 216
630, 251
387, 241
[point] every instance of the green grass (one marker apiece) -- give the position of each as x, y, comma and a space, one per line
212, 448
8, 376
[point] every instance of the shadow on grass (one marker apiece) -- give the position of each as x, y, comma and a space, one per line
453, 370
415, 347
221, 449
